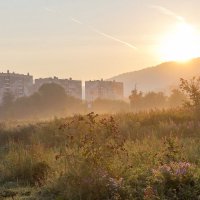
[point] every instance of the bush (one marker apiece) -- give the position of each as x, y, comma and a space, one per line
176, 180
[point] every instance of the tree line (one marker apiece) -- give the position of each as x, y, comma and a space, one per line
158, 100
51, 100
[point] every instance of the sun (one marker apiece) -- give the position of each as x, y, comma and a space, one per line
180, 44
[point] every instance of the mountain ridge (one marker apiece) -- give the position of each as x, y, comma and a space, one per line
161, 77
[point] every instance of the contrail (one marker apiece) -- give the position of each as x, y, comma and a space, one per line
115, 39
168, 12
96, 30
104, 34
76, 21
49, 10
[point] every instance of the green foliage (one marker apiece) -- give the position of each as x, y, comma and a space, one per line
7, 105
148, 155
25, 164
176, 99
136, 98
88, 158
155, 100
8, 99
171, 151
192, 89
175, 180
50, 101
109, 106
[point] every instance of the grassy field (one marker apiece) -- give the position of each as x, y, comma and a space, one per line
148, 155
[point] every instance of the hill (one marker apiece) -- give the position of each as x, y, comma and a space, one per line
159, 78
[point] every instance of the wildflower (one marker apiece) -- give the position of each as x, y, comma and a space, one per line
173, 169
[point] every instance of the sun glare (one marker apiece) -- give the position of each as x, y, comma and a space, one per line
181, 44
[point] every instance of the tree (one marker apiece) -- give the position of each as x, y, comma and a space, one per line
176, 98
50, 100
191, 88
154, 100
53, 97
109, 106
7, 104
8, 99
136, 99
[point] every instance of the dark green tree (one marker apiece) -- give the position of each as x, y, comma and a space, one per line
191, 88
7, 105
52, 98
176, 98
154, 100
136, 99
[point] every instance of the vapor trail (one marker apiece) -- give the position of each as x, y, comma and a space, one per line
49, 10
104, 34
96, 30
167, 12
76, 21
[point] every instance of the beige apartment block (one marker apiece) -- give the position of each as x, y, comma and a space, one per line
72, 87
100, 89
18, 85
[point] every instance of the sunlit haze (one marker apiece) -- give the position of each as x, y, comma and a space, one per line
181, 44
95, 39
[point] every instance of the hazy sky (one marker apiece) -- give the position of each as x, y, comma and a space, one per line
86, 39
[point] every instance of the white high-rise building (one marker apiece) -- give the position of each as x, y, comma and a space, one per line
18, 85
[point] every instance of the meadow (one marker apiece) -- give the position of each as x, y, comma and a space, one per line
146, 155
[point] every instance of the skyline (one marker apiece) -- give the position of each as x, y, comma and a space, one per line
85, 40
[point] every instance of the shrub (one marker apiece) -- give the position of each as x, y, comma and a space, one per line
176, 180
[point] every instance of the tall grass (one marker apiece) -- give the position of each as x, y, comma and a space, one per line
148, 155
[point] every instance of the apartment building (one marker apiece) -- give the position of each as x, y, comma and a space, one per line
72, 87
100, 89
18, 84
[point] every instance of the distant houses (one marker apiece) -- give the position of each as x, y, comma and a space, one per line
23, 85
